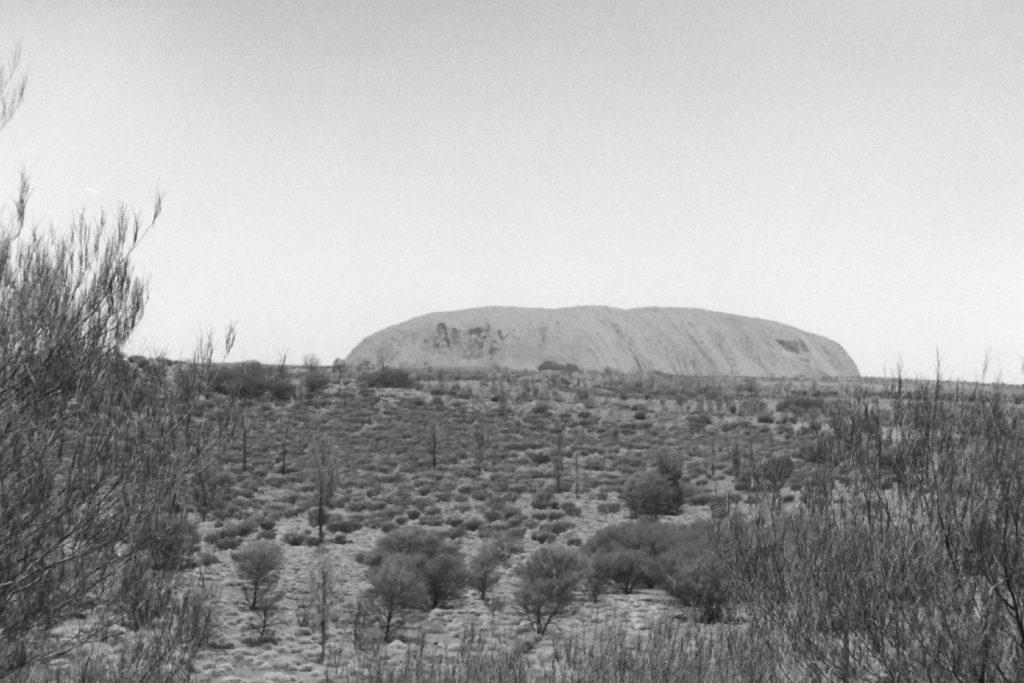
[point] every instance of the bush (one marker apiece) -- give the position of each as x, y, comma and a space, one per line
316, 380
544, 499
690, 571
244, 380
281, 388
650, 493
669, 556
438, 561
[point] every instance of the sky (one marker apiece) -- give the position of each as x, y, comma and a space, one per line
852, 168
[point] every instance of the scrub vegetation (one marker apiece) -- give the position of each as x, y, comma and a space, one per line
208, 520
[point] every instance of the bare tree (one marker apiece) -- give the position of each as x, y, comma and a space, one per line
558, 460
321, 596
432, 443
480, 445
324, 472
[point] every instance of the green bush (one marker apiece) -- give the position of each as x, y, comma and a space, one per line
691, 572
438, 561
244, 380
281, 388
316, 380
650, 493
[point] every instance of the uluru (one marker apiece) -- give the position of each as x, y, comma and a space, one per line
679, 341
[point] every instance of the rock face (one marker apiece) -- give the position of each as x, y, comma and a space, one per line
683, 341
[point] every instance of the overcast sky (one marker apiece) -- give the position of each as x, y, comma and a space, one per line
854, 169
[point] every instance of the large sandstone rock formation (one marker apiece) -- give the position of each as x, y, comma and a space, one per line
686, 341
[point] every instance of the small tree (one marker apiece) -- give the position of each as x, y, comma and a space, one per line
321, 596
558, 460
548, 582
396, 584
432, 443
324, 472
485, 567
480, 445
265, 618
259, 564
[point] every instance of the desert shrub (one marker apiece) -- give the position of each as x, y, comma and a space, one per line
315, 381
558, 526
395, 378
439, 562
243, 527
650, 493
244, 380
348, 525
643, 550
544, 499
294, 538
697, 422
570, 508
259, 565
222, 542
609, 508
691, 572
543, 536
281, 388
548, 582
